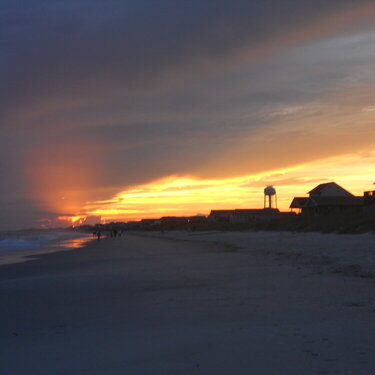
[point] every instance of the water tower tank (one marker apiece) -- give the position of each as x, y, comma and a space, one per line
269, 190
270, 193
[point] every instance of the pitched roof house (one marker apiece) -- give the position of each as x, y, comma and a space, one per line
298, 202
328, 198
330, 189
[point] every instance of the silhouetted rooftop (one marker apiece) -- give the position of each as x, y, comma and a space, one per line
321, 187
298, 202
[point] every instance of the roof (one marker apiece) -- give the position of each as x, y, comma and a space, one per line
298, 202
166, 219
221, 212
255, 211
321, 187
245, 211
334, 201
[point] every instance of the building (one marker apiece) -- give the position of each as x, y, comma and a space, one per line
298, 203
240, 216
329, 189
145, 223
172, 221
328, 198
220, 216
198, 219
369, 201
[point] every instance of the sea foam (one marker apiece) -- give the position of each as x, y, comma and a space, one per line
32, 242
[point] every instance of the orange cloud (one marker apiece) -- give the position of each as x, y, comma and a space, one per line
178, 195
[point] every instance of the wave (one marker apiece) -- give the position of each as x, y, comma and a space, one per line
30, 242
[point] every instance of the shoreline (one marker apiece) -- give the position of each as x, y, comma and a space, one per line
71, 240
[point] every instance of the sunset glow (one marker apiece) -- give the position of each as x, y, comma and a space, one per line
179, 195
123, 111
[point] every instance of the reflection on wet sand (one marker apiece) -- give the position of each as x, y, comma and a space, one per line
52, 247
73, 243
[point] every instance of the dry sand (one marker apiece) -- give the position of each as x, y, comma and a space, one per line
193, 303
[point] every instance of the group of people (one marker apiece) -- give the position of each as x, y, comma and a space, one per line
113, 233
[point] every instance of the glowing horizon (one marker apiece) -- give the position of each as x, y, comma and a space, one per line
189, 196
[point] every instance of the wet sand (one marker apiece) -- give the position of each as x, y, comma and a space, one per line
219, 303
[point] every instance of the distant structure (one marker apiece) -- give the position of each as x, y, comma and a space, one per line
328, 198
168, 222
270, 197
369, 201
220, 216
250, 215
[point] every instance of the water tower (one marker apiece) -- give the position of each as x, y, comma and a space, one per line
270, 197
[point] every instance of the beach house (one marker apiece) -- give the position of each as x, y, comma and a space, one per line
328, 198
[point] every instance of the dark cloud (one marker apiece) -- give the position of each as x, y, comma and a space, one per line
55, 48
25, 213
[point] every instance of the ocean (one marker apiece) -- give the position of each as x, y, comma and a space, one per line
19, 246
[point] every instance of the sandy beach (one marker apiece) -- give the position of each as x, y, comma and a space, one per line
262, 303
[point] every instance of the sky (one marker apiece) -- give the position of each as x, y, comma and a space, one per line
146, 108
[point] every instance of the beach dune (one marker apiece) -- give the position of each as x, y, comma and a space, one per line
192, 303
